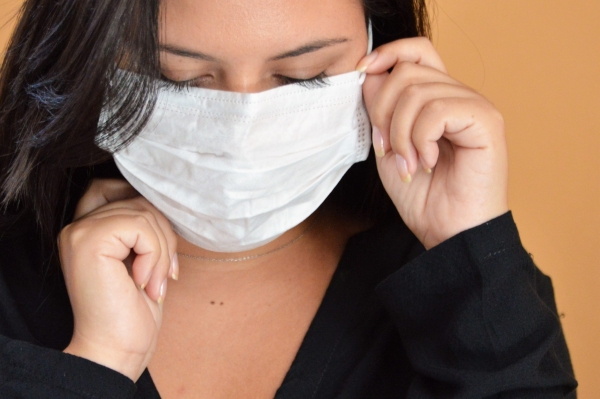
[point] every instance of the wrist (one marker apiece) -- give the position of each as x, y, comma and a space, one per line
433, 239
131, 365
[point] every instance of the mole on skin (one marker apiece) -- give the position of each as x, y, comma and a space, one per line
213, 302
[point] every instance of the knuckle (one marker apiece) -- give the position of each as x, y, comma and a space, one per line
148, 207
404, 68
498, 117
74, 234
436, 106
141, 219
424, 41
493, 114
412, 92
148, 215
390, 46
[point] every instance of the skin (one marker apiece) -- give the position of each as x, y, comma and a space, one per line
441, 157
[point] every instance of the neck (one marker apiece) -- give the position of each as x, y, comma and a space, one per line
324, 228
204, 259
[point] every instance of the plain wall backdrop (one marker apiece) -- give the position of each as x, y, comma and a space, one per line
538, 61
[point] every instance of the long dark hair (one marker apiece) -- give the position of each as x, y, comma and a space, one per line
59, 73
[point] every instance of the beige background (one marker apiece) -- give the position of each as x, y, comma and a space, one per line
538, 61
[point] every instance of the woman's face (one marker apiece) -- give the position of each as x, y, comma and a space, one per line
255, 45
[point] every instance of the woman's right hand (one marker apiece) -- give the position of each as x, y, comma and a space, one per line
116, 257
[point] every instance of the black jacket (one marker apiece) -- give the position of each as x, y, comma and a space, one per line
470, 318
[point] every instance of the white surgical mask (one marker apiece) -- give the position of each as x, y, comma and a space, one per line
234, 171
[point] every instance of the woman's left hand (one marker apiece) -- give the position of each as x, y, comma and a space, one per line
441, 149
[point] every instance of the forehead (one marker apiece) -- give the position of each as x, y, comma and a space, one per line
218, 26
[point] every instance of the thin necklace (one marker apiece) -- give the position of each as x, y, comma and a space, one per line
245, 258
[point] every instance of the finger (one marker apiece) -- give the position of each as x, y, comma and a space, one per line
106, 241
154, 285
457, 119
167, 231
102, 192
123, 233
148, 276
155, 307
371, 86
383, 104
141, 204
408, 108
417, 50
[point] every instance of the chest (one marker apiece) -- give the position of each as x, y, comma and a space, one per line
241, 344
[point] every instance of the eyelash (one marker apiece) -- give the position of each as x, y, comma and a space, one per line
316, 81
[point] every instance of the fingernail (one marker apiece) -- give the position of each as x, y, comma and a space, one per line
171, 268
378, 143
366, 61
145, 283
174, 267
403, 169
425, 168
147, 280
162, 292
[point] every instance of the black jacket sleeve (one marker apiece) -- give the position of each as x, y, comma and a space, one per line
478, 319
31, 372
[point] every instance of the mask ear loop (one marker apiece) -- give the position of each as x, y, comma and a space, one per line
363, 75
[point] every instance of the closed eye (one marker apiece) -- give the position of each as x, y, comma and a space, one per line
316, 81
177, 85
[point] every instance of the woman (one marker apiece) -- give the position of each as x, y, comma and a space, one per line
236, 121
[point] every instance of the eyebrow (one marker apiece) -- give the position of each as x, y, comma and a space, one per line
309, 48
185, 53
305, 49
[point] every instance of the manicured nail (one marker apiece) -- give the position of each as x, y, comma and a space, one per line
366, 61
162, 292
403, 169
171, 268
174, 267
425, 168
147, 280
145, 283
378, 143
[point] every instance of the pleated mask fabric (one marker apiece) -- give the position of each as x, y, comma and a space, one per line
233, 171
